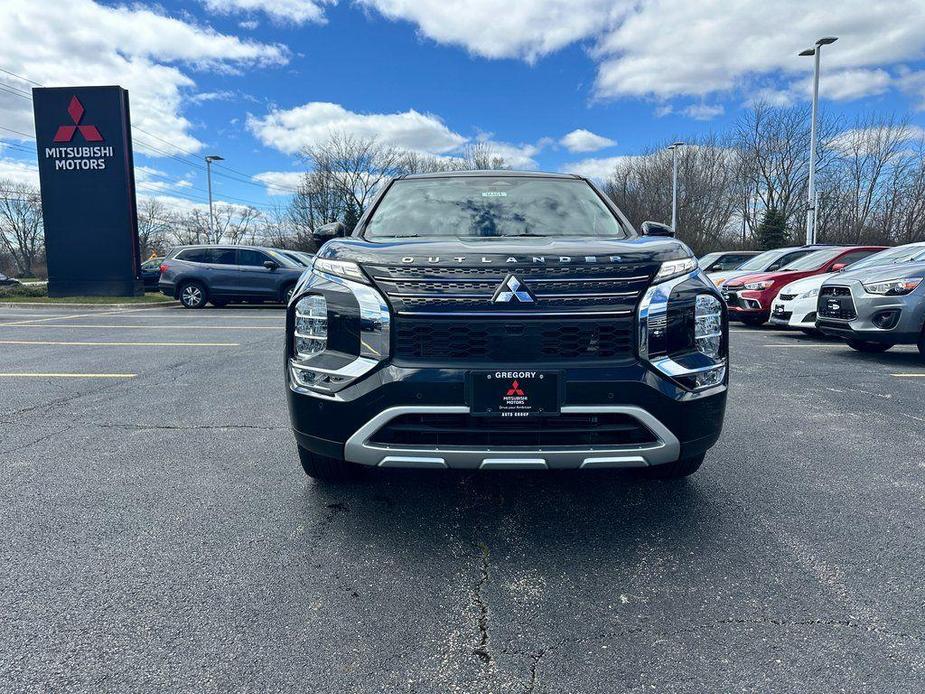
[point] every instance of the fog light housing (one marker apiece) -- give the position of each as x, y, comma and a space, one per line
311, 327
708, 325
886, 320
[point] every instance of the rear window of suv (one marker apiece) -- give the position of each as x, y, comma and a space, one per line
492, 207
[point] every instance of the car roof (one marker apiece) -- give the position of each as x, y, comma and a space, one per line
493, 173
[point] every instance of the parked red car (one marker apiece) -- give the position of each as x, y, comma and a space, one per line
749, 298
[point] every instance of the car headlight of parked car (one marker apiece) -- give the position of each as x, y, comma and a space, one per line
674, 268
894, 287
757, 286
810, 294
708, 325
311, 326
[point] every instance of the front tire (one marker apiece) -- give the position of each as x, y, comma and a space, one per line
287, 293
325, 469
869, 347
193, 295
677, 470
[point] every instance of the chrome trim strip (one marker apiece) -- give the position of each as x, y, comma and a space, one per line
519, 314
412, 461
475, 279
513, 464
666, 449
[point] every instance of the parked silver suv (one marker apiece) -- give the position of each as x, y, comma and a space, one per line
875, 308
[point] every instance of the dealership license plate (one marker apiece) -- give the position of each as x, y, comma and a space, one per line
514, 393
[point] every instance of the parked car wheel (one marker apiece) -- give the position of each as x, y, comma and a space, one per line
194, 295
287, 292
326, 469
676, 470
869, 347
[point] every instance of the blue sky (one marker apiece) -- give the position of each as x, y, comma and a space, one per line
253, 80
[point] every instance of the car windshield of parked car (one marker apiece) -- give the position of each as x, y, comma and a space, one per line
891, 256
492, 207
814, 260
762, 260
283, 259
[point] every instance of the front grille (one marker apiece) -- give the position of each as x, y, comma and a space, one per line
594, 288
788, 297
429, 340
836, 302
465, 430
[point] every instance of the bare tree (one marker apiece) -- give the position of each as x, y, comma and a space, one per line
154, 224
21, 231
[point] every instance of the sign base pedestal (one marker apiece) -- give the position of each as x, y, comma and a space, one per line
65, 288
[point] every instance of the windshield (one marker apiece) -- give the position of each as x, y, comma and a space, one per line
762, 260
891, 256
281, 258
814, 260
492, 207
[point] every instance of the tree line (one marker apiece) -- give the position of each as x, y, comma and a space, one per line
743, 188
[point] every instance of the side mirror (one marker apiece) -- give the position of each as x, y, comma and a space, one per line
332, 230
656, 229
270, 265
838, 267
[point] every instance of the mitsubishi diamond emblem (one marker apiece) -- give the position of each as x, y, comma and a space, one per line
512, 289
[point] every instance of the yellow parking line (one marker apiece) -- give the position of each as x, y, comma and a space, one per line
64, 375
120, 344
147, 327
909, 375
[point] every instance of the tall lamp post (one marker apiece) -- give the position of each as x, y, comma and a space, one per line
674, 146
209, 159
811, 210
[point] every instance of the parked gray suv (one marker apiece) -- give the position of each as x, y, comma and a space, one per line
223, 274
875, 308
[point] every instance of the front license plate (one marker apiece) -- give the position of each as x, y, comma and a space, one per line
514, 393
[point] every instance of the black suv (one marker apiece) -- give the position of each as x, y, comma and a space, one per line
502, 320
223, 274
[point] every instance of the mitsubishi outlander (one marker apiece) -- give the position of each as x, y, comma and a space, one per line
503, 320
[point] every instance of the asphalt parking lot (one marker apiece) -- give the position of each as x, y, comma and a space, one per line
159, 534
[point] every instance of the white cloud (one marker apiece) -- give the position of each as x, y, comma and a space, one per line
845, 85
912, 82
598, 168
82, 42
720, 46
704, 111
18, 171
295, 11
314, 122
582, 140
280, 182
864, 140
526, 29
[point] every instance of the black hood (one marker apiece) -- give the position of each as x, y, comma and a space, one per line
485, 252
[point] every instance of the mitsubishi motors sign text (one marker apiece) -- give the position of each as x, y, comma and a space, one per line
87, 177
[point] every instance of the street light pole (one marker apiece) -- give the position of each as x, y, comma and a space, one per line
811, 210
674, 183
209, 159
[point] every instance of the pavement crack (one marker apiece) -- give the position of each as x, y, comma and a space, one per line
534, 664
481, 651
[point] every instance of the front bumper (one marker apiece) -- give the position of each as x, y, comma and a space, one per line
795, 313
745, 303
683, 424
903, 327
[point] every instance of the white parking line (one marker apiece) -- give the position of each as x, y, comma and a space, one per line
63, 375
909, 375
120, 344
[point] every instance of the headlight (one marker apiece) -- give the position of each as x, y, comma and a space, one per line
311, 326
896, 287
758, 286
340, 268
810, 294
708, 325
675, 268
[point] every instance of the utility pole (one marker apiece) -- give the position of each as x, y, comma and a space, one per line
209, 159
811, 211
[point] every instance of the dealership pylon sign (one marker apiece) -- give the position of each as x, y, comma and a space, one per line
87, 176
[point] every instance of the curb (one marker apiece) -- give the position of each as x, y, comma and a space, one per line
100, 307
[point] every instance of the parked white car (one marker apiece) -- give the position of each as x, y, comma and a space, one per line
795, 305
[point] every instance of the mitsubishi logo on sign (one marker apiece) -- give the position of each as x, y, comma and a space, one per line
513, 289
66, 132
515, 388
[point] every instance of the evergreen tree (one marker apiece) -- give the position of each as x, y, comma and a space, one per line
351, 216
772, 232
